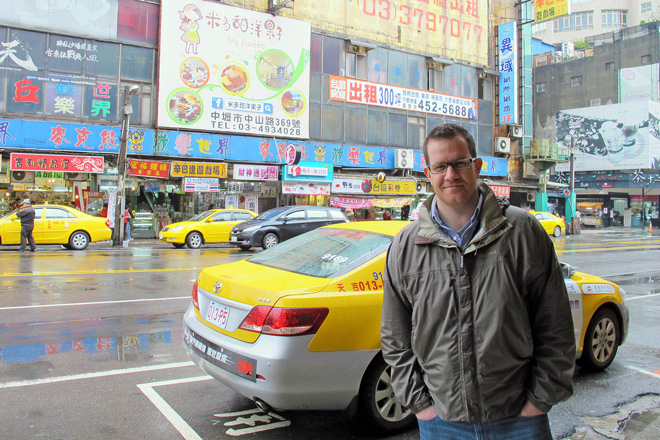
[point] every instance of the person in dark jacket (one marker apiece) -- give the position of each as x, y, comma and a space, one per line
26, 214
476, 322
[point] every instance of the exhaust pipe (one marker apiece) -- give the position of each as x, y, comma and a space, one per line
263, 406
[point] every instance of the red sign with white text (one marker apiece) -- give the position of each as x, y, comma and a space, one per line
56, 162
149, 168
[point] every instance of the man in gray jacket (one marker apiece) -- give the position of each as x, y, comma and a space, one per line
27, 214
476, 321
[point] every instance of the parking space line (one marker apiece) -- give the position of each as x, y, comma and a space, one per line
655, 374
26, 383
643, 296
170, 414
94, 303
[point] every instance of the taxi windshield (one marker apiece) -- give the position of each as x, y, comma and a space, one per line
335, 251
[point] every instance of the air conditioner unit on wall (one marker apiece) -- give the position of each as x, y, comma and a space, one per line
516, 131
77, 176
502, 145
22, 177
404, 159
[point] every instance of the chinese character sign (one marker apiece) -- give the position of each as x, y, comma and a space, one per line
508, 67
148, 168
56, 162
451, 28
383, 95
197, 169
227, 69
545, 10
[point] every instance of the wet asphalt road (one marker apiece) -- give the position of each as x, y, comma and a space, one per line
90, 346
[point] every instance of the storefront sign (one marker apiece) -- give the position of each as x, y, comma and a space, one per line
391, 202
508, 68
547, 10
200, 184
501, 190
231, 201
308, 172
56, 162
401, 98
255, 172
198, 169
350, 202
252, 203
257, 84
368, 186
305, 188
148, 168
243, 187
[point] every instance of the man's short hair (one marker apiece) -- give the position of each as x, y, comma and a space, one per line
449, 131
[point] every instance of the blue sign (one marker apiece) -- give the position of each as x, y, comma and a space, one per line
508, 68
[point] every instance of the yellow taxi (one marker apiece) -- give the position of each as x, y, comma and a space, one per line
297, 326
552, 224
57, 224
212, 226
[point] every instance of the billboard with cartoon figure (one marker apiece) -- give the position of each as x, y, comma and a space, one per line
611, 137
230, 70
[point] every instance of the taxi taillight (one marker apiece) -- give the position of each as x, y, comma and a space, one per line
284, 322
195, 297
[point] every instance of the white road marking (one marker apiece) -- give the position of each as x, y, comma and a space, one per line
94, 303
641, 370
643, 296
172, 416
49, 380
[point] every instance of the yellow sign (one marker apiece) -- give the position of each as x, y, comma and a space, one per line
447, 28
198, 169
392, 187
545, 10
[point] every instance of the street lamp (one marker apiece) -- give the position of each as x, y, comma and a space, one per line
571, 183
118, 233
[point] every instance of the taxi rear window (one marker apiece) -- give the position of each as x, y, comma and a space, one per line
324, 252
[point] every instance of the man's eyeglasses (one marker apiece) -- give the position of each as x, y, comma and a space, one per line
457, 165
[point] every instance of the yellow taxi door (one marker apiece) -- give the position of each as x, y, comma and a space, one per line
58, 223
11, 233
217, 227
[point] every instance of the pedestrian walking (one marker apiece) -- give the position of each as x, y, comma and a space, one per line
128, 215
386, 215
476, 322
26, 214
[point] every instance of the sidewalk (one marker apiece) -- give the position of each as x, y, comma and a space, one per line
626, 424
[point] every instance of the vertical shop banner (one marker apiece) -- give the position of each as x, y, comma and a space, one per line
508, 68
227, 69
252, 203
545, 10
231, 201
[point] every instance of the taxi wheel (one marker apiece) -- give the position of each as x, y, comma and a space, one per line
557, 231
378, 405
600, 342
78, 241
194, 240
269, 240
178, 245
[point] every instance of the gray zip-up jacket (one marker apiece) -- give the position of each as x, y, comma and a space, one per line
477, 333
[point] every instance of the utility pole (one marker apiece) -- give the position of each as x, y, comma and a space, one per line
118, 233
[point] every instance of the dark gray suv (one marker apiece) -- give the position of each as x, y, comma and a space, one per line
279, 224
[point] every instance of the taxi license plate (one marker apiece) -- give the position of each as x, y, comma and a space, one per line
233, 239
161, 236
217, 314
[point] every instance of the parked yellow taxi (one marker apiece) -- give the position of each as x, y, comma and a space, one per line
213, 226
56, 224
552, 224
297, 326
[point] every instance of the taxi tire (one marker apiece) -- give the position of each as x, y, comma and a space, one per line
603, 336
194, 240
377, 403
556, 232
244, 247
78, 241
269, 240
178, 245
